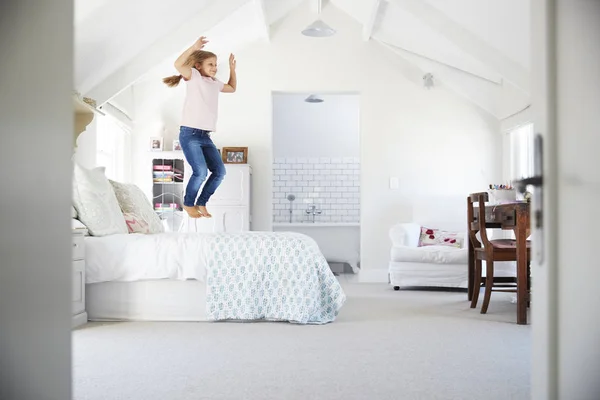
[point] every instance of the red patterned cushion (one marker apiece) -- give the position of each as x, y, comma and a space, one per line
436, 237
135, 224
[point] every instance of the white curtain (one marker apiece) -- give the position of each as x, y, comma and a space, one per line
113, 143
521, 152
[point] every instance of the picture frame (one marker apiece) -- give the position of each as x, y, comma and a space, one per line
235, 155
156, 144
176, 145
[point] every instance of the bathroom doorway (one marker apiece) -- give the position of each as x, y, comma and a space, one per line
316, 171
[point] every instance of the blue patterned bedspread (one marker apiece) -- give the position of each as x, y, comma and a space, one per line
274, 276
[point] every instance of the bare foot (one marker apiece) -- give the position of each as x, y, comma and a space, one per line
202, 210
192, 211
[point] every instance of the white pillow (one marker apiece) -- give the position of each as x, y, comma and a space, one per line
134, 202
95, 201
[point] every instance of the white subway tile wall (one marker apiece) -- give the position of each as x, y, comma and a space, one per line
331, 184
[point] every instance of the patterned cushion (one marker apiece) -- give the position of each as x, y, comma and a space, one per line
133, 201
136, 224
96, 203
436, 237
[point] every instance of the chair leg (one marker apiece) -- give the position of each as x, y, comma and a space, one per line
489, 282
476, 284
528, 283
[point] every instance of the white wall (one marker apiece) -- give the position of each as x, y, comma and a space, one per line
437, 145
36, 121
327, 129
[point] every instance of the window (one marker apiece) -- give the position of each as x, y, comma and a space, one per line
112, 143
521, 152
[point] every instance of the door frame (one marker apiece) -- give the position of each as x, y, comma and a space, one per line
544, 308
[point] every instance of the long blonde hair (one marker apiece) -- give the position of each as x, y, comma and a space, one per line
196, 57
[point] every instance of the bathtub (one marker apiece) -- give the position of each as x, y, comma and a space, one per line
339, 242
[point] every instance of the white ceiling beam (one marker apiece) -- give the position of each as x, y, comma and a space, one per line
316, 6
262, 18
370, 24
468, 42
122, 118
413, 72
169, 44
497, 81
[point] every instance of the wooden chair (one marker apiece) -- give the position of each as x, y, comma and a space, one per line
489, 251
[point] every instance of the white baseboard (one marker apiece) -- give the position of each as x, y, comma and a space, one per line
373, 276
79, 319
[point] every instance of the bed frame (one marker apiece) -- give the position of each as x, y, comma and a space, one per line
152, 300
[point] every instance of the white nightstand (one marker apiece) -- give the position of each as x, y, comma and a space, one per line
78, 305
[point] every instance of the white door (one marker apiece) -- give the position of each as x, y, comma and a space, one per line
566, 104
235, 219
233, 191
235, 188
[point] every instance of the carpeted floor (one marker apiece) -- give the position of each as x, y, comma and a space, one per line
385, 345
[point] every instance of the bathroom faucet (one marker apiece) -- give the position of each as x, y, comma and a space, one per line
312, 209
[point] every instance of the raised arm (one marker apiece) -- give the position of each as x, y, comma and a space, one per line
230, 86
181, 63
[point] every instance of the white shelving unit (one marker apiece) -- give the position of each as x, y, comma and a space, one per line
230, 204
168, 187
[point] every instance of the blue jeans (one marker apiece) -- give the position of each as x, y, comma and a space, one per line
203, 156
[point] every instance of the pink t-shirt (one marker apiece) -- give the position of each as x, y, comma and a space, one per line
201, 102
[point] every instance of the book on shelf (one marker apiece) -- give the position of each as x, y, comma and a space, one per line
162, 167
163, 180
163, 173
166, 207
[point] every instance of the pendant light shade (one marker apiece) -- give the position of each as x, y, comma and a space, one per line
318, 29
313, 98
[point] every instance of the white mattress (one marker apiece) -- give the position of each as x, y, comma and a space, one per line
159, 300
163, 277
136, 257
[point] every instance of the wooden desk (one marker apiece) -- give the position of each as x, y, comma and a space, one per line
515, 217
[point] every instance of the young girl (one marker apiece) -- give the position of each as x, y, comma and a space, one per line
198, 69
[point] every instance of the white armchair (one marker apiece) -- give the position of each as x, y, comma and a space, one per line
427, 266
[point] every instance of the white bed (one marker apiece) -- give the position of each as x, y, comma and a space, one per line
128, 280
170, 276
135, 271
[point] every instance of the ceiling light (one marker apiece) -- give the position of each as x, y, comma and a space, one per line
318, 28
428, 80
313, 98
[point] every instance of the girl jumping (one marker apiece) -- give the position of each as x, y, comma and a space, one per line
198, 69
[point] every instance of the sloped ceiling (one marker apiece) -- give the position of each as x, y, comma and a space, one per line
477, 48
